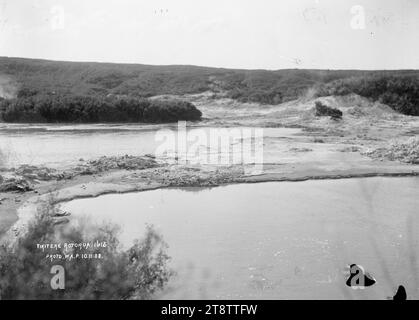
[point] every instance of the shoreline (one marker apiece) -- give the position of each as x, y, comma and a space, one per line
123, 181
245, 181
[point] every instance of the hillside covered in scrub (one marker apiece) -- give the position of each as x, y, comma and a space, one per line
400, 92
34, 88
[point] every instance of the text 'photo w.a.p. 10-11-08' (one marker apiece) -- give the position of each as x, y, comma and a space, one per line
209, 150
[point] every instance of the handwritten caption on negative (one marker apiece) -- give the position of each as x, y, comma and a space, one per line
69, 251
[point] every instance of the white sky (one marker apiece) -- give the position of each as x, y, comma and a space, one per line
268, 34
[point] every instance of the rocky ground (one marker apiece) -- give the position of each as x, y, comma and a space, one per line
404, 151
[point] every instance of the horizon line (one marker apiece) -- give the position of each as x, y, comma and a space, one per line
201, 66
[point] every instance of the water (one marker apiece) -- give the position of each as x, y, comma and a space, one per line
276, 240
64, 145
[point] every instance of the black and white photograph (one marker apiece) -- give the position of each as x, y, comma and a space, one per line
223, 150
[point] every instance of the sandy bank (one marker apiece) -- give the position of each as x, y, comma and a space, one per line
25, 205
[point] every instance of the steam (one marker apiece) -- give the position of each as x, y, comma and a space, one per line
8, 87
309, 94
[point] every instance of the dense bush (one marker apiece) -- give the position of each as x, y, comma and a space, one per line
71, 108
401, 93
138, 273
323, 110
35, 77
255, 95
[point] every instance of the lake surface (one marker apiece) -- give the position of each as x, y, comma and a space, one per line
276, 240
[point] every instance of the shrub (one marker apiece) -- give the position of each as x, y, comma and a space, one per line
262, 96
401, 93
323, 110
134, 274
85, 109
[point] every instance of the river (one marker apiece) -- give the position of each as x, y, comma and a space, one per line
59, 146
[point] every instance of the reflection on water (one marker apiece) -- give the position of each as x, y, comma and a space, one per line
277, 240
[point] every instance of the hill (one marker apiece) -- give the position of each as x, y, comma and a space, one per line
28, 77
